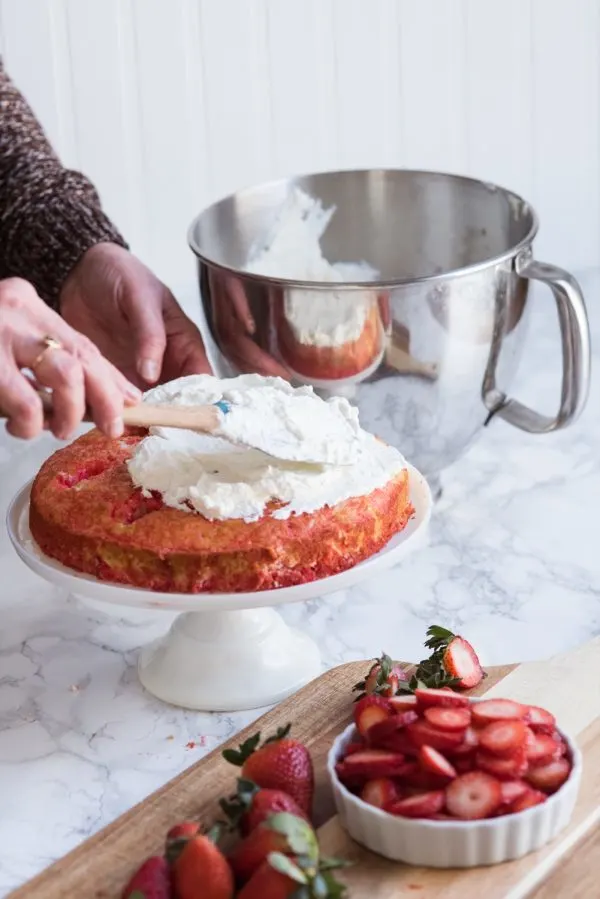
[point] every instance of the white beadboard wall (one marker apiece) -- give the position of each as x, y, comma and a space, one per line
169, 104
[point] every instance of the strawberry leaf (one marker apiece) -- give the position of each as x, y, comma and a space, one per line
279, 734
330, 864
286, 866
239, 756
300, 836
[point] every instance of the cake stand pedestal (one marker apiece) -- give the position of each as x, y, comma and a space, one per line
226, 651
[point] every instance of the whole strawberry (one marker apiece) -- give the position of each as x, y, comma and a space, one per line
251, 806
248, 855
151, 881
279, 764
383, 678
201, 869
297, 870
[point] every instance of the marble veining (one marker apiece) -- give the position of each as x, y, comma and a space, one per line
512, 563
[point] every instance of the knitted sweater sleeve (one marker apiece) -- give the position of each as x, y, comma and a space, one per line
49, 215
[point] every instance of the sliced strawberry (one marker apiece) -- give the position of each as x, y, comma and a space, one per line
403, 703
433, 761
540, 749
423, 734
461, 662
354, 746
503, 737
442, 816
380, 733
380, 792
561, 747
469, 743
513, 789
448, 718
512, 767
399, 742
421, 781
464, 763
540, 720
444, 698
350, 779
369, 711
549, 777
497, 710
371, 763
423, 805
527, 800
473, 796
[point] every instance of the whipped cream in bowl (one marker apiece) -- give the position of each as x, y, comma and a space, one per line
223, 480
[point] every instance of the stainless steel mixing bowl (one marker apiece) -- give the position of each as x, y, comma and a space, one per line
455, 264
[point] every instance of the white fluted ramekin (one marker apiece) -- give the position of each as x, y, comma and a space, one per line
453, 844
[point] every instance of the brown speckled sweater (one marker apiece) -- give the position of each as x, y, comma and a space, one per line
49, 215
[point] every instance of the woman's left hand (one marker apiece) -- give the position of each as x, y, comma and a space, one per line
134, 320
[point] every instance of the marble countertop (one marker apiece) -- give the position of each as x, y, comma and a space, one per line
512, 563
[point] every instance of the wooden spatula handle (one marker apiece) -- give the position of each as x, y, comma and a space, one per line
195, 418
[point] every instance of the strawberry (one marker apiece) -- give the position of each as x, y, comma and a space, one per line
527, 800
469, 744
503, 738
540, 749
250, 806
511, 767
453, 663
151, 881
423, 734
489, 710
383, 678
420, 781
439, 698
540, 720
370, 710
354, 746
423, 805
448, 719
379, 792
399, 742
279, 764
462, 664
379, 733
280, 877
374, 763
201, 869
473, 796
296, 863
178, 836
350, 779
512, 790
464, 763
551, 776
433, 761
407, 703
183, 830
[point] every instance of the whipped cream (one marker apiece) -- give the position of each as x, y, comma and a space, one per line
209, 475
292, 250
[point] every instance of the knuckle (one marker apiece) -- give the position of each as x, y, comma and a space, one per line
14, 292
86, 350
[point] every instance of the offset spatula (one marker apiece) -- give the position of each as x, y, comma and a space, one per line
273, 437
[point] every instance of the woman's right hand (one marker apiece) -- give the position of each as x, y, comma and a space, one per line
76, 372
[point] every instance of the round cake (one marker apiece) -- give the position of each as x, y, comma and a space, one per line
187, 513
328, 337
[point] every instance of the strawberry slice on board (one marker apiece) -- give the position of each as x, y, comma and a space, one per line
473, 796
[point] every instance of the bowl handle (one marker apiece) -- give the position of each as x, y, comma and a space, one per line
575, 342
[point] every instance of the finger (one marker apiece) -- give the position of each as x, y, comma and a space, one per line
62, 373
185, 353
105, 392
21, 405
235, 291
147, 327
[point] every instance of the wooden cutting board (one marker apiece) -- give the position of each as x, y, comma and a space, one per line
568, 685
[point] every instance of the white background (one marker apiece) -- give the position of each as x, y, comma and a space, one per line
169, 104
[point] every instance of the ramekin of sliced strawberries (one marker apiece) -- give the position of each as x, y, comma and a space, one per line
432, 777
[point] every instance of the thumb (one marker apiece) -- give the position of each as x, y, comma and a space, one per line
149, 337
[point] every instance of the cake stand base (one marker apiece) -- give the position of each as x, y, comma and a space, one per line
228, 661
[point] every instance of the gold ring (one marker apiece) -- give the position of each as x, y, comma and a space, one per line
49, 343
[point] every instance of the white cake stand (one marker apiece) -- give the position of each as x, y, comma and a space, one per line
228, 651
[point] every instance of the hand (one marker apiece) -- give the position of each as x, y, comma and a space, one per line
134, 320
76, 373
237, 331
